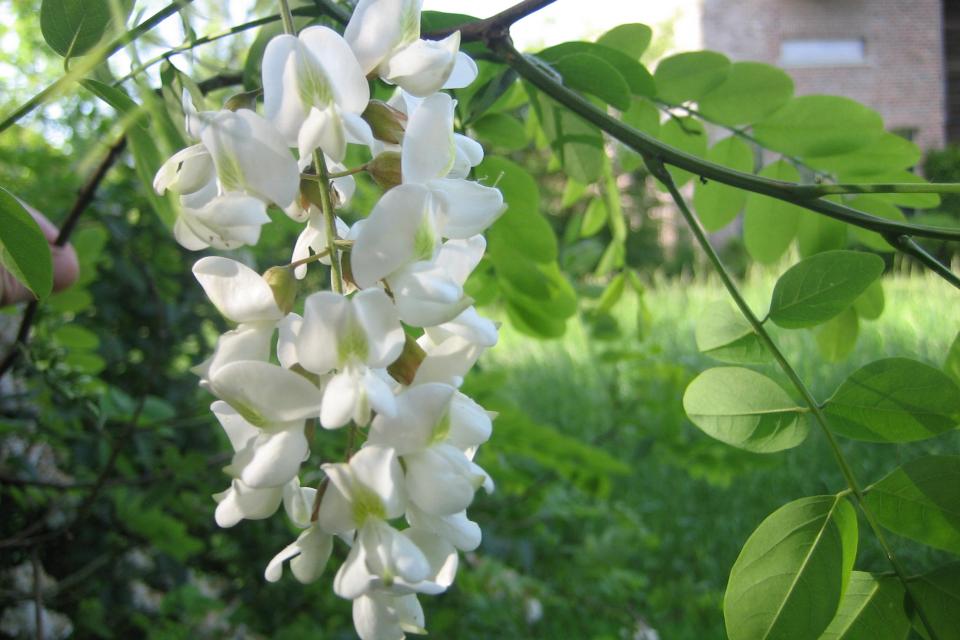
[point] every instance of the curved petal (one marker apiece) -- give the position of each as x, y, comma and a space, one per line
378, 469
353, 579
422, 67
266, 393
246, 342
323, 130
389, 553
381, 324
287, 340
379, 394
335, 56
238, 292
464, 72
397, 232
440, 480
428, 148
276, 457
459, 530
340, 399
440, 553
324, 315
420, 412
469, 153
336, 512
241, 502
238, 430
468, 207
470, 424
282, 104
377, 26
189, 238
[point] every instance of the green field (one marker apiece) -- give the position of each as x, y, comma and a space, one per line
603, 555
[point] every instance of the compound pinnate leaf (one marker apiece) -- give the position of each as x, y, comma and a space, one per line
790, 576
821, 287
745, 409
689, 76
819, 126
894, 400
718, 204
73, 27
750, 92
921, 501
938, 594
24, 251
594, 75
871, 609
632, 39
770, 225
723, 333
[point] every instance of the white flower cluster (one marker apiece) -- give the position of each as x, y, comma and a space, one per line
399, 501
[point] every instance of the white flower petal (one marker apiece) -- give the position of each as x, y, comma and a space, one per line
324, 313
462, 532
277, 456
241, 502
333, 53
238, 292
340, 399
420, 411
378, 469
464, 72
441, 480
289, 330
428, 147
377, 26
470, 424
238, 430
381, 325
423, 66
397, 232
467, 207
265, 393
282, 104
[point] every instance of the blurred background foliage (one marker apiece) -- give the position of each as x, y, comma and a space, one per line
614, 517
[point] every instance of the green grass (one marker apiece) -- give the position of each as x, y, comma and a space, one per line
606, 556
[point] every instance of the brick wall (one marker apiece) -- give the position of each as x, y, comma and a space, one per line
902, 76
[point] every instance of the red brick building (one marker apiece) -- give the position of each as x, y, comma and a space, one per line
901, 57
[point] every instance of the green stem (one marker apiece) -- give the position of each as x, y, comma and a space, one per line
659, 171
326, 205
648, 145
818, 190
909, 246
287, 17
308, 259
89, 62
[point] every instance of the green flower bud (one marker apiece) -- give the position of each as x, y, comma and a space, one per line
387, 123
405, 367
385, 169
284, 286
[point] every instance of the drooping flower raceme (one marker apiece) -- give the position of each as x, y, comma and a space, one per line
376, 362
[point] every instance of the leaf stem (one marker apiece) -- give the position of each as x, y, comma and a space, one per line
658, 170
308, 259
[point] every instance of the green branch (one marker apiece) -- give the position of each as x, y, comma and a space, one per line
659, 171
650, 146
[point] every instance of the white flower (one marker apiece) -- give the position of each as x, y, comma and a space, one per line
381, 616
241, 502
308, 556
453, 347
314, 92
385, 36
354, 336
263, 457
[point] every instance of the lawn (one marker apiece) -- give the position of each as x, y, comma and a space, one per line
638, 531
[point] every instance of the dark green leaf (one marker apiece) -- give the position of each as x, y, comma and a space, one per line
745, 409
952, 364
690, 76
817, 233
871, 609
73, 27
750, 92
522, 228
894, 400
501, 130
819, 126
790, 576
770, 225
723, 333
821, 286
889, 152
638, 79
632, 39
594, 75
921, 501
718, 204
24, 250
938, 595
869, 305
837, 337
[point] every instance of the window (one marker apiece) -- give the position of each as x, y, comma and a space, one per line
822, 53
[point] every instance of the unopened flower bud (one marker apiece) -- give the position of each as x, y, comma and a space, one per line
387, 123
385, 169
245, 100
284, 286
404, 369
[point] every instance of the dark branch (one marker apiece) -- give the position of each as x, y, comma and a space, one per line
909, 246
649, 146
496, 26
